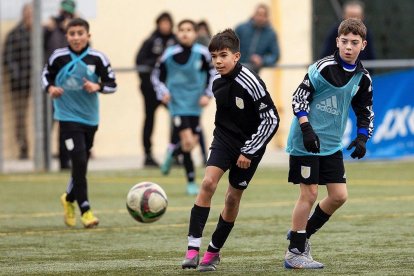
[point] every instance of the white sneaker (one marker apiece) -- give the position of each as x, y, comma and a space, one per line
299, 260
308, 249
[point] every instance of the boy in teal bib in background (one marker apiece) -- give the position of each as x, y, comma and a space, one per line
182, 80
72, 77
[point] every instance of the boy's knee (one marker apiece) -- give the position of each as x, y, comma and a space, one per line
339, 199
310, 195
208, 185
187, 146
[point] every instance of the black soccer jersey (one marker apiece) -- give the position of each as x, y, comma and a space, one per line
246, 117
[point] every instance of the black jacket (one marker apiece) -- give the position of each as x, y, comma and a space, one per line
246, 117
17, 57
151, 50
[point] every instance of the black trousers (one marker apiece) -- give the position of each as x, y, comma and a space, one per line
150, 105
20, 104
78, 139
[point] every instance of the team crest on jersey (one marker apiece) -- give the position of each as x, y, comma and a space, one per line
177, 121
91, 68
71, 84
305, 171
239, 103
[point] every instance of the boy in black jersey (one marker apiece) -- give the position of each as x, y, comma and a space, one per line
73, 77
321, 104
246, 119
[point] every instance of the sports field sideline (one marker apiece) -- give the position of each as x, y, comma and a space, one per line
371, 234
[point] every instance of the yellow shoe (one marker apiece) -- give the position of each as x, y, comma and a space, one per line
68, 210
89, 220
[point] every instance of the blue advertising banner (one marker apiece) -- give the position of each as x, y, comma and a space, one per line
394, 118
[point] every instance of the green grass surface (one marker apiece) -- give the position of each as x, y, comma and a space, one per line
371, 234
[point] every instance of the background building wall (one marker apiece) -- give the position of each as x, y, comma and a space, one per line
120, 27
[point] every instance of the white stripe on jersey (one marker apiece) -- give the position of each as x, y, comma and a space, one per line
366, 73
325, 59
159, 87
108, 89
265, 130
249, 82
175, 50
105, 60
44, 79
58, 53
326, 63
300, 100
217, 76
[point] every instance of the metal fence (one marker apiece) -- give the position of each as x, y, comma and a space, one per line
25, 117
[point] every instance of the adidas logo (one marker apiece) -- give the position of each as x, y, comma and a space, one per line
306, 82
262, 106
71, 83
329, 105
243, 184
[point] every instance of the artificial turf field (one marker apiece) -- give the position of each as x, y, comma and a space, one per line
371, 234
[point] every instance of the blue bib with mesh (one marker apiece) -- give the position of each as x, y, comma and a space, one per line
328, 115
76, 104
186, 83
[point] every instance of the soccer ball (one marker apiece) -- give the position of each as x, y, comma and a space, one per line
146, 202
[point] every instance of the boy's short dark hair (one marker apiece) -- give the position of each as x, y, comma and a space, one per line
164, 16
226, 39
189, 21
352, 25
204, 24
78, 22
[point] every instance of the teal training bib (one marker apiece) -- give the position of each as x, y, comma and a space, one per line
328, 114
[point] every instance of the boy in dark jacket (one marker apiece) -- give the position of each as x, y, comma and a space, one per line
147, 57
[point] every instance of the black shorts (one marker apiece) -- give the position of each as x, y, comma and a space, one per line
316, 169
184, 122
78, 137
220, 156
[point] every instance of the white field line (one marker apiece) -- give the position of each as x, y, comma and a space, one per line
186, 208
146, 227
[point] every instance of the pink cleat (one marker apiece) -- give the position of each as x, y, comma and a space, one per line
191, 259
209, 262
